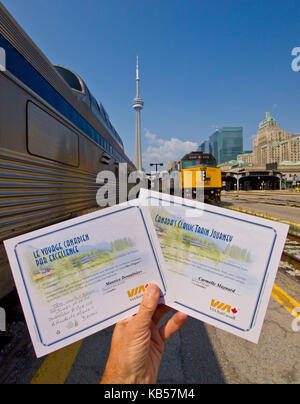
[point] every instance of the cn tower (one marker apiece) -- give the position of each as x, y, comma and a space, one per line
138, 105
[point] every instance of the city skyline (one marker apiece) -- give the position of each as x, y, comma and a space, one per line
204, 65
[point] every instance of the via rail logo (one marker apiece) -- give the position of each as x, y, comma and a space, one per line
2, 60
136, 293
221, 307
296, 60
2, 320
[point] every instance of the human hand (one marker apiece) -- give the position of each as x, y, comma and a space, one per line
138, 344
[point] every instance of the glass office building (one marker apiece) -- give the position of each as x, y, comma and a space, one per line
226, 143
214, 145
204, 147
230, 144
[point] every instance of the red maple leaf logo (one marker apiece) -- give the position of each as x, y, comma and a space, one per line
234, 311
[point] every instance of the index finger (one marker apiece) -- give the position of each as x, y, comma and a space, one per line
172, 326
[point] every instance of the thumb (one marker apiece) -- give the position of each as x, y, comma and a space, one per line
148, 306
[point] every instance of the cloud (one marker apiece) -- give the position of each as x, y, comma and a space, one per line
152, 139
162, 151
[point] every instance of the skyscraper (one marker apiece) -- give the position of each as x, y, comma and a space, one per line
204, 147
272, 143
226, 143
230, 143
214, 144
138, 105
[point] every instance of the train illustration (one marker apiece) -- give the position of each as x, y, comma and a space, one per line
43, 273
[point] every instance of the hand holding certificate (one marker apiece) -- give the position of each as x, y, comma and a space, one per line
138, 342
79, 277
221, 264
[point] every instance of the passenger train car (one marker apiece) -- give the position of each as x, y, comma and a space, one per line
54, 138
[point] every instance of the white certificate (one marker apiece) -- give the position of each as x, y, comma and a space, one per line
222, 263
81, 276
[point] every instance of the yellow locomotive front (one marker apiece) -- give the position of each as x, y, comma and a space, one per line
201, 177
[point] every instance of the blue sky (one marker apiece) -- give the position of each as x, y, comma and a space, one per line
203, 63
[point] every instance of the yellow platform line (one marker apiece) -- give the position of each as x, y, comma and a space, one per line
285, 301
263, 215
57, 366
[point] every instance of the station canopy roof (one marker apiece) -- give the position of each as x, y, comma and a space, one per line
240, 164
289, 163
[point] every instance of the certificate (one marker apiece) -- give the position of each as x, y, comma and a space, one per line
222, 264
81, 276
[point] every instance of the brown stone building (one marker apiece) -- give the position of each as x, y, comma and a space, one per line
274, 144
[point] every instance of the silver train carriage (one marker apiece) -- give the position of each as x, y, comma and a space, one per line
54, 140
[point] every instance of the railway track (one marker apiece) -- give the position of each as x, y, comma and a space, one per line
291, 254
294, 236
271, 202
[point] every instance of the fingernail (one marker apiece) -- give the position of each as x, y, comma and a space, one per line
152, 290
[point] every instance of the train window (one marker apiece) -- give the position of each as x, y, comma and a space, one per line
21, 68
191, 161
69, 77
89, 95
49, 138
101, 110
106, 116
95, 106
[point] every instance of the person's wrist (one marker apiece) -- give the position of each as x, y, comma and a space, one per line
114, 375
